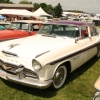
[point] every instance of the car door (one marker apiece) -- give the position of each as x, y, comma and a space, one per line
95, 39
89, 48
18, 30
24, 30
78, 56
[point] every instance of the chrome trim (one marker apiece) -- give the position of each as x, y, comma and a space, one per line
31, 82
9, 54
17, 70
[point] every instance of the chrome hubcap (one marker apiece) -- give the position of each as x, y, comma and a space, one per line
59, 76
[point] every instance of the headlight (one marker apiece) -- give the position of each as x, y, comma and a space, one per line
36, 65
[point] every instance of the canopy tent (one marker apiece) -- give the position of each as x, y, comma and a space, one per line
2, 17
22, 12
40, 12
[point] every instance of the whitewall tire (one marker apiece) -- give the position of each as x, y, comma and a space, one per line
59, 77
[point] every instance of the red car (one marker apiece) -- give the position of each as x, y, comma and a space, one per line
19, 29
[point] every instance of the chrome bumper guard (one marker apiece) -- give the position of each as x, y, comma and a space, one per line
31, 82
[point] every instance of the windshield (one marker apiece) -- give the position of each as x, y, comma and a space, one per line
19, 26
59, 30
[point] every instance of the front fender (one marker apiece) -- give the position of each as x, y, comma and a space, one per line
48, 71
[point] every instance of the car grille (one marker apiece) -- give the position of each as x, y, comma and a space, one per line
10, 68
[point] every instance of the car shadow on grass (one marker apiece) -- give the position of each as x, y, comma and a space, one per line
78, 72
47, 93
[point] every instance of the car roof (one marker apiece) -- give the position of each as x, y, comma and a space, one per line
4, 23
68, 22
28, 21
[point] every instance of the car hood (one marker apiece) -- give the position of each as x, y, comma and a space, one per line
36, 45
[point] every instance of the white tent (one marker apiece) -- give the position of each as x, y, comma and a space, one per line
40, 12
16, 12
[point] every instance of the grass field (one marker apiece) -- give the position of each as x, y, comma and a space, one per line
79, 86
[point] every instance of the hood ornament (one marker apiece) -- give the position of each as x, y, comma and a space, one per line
13, 45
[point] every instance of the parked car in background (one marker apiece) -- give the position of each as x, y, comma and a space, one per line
19, 29
3, 25
83, 19
88, 20
96, 22
97, 87
45, 59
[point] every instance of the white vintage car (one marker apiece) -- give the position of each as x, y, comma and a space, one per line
45, 59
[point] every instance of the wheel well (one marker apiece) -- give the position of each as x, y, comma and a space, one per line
68, 66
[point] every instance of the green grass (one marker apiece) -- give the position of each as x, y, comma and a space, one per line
79, 86
97, 26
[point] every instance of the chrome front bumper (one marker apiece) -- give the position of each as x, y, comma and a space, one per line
31, 82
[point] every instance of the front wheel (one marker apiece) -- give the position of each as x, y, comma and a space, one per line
59, 77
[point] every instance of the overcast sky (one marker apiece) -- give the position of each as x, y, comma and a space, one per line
90, 6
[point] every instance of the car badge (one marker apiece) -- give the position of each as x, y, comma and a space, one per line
12, 45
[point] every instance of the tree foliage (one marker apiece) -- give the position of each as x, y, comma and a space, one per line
36, 6
6, 1
58, 10
25, 2
55, 11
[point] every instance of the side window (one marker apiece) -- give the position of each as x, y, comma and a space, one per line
35, 27
84, 32
72, 31
93, 31
25, 27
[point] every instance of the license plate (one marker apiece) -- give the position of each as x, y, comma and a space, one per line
2, 74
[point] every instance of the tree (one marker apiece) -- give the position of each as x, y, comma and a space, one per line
44, 6
50, 10
58, 10
25, 2
36, 6
6, 1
